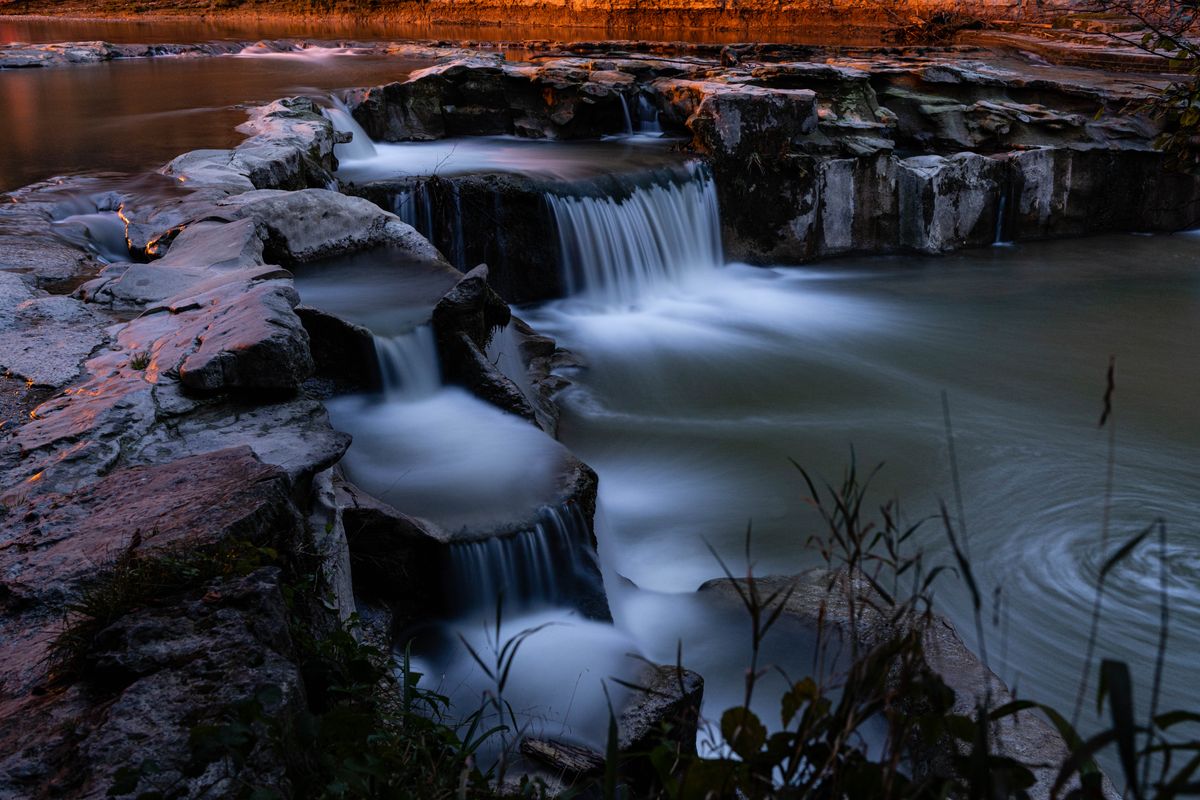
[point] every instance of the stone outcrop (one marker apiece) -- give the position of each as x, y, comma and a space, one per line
476, 96
174, 437
665, 709
146, 670
818, 152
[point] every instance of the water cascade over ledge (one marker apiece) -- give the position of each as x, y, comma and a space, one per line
550, 565
616, 250
408, 364
360, 146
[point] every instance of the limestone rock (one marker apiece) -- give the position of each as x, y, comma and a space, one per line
227, 644
738, 121
316, 223
946, 203
247, 337
290, 147
666, 711
44, 339
54, 542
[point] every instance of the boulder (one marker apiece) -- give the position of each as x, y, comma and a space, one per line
664, 709
227, 643
396, 559
247, 337
316, 223
53, 543
737, 122
341, 351
290, 146
949, 203
292, 434
477, 96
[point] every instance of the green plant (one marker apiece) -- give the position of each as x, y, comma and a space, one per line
137, 579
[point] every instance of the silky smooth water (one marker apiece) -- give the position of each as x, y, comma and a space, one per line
694, 401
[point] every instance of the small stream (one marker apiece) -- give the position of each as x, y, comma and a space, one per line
703, 380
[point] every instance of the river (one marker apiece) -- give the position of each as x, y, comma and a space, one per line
704, 380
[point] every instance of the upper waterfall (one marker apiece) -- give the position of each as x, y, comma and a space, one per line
408, 364
360, 146
615, 250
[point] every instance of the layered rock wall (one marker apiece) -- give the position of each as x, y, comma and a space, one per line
814, 154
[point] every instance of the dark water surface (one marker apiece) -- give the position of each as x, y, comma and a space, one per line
137, 114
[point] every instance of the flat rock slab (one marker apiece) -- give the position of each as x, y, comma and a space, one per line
315, 223
53, 543
44, 339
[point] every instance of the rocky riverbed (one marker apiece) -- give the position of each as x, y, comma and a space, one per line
167, 394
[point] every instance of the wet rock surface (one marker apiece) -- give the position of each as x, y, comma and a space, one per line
146, 672
666, 709
825, 151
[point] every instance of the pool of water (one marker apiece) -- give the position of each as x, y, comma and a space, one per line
695, 401
137, 114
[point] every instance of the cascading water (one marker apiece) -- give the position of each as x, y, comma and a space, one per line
101, 232
647, 116
550, 565
408, 364
998, 240
415, 207
360, 146
616, 250
625, 111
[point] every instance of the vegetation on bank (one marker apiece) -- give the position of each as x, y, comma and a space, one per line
901, 21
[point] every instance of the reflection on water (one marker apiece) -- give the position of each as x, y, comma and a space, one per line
138, 114
694, 401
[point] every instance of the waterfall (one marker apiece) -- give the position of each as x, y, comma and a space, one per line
415, 205
616, 250
360, 147
999, 238
408, 364
551, 564
647, 116
625, 111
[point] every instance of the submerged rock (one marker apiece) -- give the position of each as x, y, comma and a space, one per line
664, 709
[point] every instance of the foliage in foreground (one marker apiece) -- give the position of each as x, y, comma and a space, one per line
368, 730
